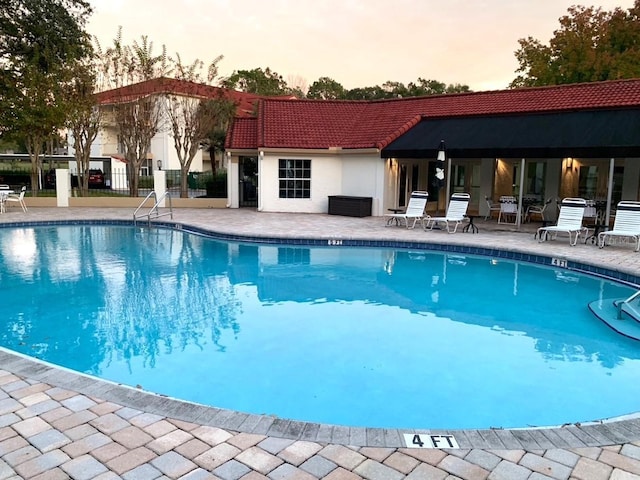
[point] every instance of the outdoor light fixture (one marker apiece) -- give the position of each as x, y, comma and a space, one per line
159, 162
569, 164
441, 158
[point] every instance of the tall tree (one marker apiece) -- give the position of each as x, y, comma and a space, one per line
258, 81
83, 119
590, 45
326, 88
366, 93
40, 43
191, 116
137, 116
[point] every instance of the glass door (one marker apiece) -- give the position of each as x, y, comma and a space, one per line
248, 181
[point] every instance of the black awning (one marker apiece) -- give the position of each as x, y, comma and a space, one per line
589, 134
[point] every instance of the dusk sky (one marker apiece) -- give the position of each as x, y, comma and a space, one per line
358, 43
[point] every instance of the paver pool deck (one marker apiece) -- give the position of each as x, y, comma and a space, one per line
56, 424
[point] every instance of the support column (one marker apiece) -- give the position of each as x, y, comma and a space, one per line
63, 187
520, 212
612, 163
160, 185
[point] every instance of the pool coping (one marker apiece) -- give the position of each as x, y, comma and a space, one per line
613, 431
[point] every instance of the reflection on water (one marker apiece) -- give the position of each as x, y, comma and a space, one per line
208, 321
102, 294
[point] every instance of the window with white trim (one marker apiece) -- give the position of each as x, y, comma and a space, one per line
294, 176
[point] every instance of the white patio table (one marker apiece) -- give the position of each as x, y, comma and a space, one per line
4, 193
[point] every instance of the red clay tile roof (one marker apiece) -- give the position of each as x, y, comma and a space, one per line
244, 135
245, 101
321, 124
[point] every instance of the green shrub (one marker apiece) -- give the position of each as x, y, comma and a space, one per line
16, 177
145, 182
216, 186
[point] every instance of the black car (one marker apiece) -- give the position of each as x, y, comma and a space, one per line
50, 179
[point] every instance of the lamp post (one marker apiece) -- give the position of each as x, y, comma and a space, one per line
159, 162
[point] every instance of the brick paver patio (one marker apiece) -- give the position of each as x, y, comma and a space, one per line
55, 424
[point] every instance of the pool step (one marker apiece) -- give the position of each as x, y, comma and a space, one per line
607, 311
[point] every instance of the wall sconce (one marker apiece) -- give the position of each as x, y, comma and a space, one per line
261, 154
569, 164
159, 163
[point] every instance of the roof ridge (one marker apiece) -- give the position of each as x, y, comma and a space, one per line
352, 124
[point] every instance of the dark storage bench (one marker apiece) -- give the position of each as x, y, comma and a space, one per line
350, 206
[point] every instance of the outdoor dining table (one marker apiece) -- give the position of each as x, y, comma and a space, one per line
4, 193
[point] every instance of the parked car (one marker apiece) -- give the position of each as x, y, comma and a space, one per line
50, 179
96, 179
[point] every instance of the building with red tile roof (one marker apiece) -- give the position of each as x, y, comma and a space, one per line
162, 147
385, 149
246, 102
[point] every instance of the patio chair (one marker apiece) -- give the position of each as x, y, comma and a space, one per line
537, 210
626, 225
491, 207
415, 210
590, 212
508, 209
458, 204
569, 221
18, 198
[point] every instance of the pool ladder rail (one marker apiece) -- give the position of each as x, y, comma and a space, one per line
619, 314
154, 212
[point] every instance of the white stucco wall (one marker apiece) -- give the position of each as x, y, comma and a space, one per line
364, 176
96, 147
326, 179
331, 174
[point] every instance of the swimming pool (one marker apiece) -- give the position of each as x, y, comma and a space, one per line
367, 336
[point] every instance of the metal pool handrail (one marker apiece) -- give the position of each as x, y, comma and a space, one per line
153, 212
627, 301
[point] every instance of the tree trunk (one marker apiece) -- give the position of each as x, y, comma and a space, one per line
184, 181
34, 147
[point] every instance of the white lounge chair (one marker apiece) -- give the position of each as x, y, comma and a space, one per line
18, 198
569, 221
626, 225
414, 211
458, 204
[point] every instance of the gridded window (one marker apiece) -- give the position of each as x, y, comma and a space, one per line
295, 178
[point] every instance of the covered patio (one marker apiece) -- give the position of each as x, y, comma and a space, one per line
534, 157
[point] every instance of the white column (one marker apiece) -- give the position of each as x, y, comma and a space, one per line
447, 186
63, 187
520, 212
612, 164
260, 160
233, 181
160, 184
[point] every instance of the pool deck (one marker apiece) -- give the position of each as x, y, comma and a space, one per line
56, 424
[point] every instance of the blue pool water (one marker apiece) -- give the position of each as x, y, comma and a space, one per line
352, 336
